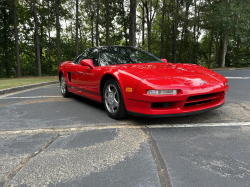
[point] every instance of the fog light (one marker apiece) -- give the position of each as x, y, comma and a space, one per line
162, 92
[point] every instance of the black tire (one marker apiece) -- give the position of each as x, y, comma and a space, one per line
63, 87
113, 100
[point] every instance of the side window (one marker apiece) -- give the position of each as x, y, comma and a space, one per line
94, 56
81, 56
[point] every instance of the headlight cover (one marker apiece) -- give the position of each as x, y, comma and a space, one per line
162, 92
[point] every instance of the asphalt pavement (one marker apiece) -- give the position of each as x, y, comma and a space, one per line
48, 140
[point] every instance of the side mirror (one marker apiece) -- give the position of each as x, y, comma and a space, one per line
164, 60
87, 62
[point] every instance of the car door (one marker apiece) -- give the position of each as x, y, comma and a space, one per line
77, 70
90, 76
84, 77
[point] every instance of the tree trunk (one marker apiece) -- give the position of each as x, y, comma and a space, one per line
175, 32
224, 51
125, 33
77, 28
149, 37
72, 35
210, 52
50, 64
41, 40
149, 16
49, 29
92, 30
194, 38
81, 38
148, 13
215, 51
183, 30
97, 22
5, 38
162, 27
143, 26
107, 22
191, 51
192, 45
58, 37
167, 38
37, 40
16, 40
148, 25
132, 23
220, 52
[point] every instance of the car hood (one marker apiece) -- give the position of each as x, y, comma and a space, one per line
185, 74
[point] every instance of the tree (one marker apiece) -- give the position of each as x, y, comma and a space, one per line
49, 34
184, 27
170, 31
77, 27
97, 22
37, 44
16, 40
58, 30
107, 22
162, 27
175, 25
132, 23
149, 16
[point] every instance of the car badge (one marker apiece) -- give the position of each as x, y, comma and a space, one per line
203, 81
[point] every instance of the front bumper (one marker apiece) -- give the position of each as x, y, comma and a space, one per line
172, 115
182, 104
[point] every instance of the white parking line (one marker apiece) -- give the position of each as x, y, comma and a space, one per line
23, 91
115, 126
238, 77
31, 97
201, 125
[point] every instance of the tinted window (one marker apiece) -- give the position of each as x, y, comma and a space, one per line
81, 56
94, 56
126, 55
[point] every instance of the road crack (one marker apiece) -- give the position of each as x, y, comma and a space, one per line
160, 163
11, 174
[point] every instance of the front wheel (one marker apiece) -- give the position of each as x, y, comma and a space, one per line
63, 86
113, 100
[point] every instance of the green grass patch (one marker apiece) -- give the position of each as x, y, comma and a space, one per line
14, 82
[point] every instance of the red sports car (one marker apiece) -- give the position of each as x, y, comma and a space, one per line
129, 80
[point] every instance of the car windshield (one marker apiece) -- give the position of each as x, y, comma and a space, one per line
126, 55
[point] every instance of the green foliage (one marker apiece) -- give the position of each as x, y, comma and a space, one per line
222, 18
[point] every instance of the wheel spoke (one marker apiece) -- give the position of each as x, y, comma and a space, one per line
111, 98
115, 103
109, 89
63, 85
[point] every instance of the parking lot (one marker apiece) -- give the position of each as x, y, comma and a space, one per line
48, 140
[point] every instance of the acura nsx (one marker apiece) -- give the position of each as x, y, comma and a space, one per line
131, 81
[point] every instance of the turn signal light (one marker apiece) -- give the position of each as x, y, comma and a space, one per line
129, 89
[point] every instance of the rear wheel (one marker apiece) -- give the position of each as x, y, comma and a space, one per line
64, 88
113, 100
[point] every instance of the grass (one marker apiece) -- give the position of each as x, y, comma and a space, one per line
14, 82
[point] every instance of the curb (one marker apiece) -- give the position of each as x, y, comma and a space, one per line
20, 88
229, 69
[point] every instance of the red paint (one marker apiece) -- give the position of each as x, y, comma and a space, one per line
87, 62
164, 60
186, 78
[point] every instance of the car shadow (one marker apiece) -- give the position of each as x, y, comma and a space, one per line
90, 103
220, 115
